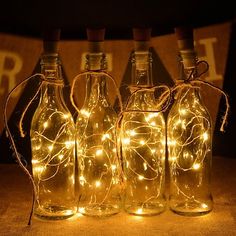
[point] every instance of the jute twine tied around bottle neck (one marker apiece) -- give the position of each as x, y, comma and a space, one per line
194, 82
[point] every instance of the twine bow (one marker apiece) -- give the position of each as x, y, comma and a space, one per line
192, 81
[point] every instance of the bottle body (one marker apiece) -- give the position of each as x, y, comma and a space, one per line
143, 140
190, 154
53, 149
143, 151
99, 167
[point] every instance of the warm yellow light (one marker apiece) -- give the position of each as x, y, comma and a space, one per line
68, 212
150, 116
172, 158
172, 143
196, 166
145, 166
182, 111
35, 161
50, 147
153, 123
99, 152
82, 180
66, 116
140, 177
204, 205
153, 150
105, 136
142, 142
185, 155
139, 211
147, 118
163, 142
132, 133
97, 184
60, 156
69, 144
81, 210
39, 169
45, 124
178, 122
85, 113
126, 140
113, 167
205, 136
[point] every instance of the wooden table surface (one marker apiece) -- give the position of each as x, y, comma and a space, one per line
15, 202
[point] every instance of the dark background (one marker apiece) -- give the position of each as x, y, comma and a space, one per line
29, 18
73, 16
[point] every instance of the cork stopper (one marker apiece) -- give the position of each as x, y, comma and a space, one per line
141, 37
95, 39
185, 41
95, 35
184, 35
51, 38
142, 34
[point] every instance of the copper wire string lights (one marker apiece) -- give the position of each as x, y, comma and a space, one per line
117, 160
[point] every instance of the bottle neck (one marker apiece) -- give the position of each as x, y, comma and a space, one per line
96, 88
53, 84
188, 73
96, 61
51, 67
188, 66
142, 69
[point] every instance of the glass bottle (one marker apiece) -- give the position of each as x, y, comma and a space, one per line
189, 132
99, 167
53, 143
143, 139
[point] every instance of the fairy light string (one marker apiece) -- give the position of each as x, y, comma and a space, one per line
88, 153
164, 98
48, 158
189, 140
143, 142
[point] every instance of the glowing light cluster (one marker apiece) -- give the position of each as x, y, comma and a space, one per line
99, 167
189, 144
53, 151
143, 152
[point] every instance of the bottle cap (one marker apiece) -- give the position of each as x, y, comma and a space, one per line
95, 35
96, 39
142, 34
51, 37
141, 38
184, 35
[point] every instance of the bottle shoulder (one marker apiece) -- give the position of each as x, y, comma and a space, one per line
143, 101
55, 115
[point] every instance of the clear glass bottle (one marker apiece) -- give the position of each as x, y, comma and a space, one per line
143, 140
99, 167
53, 146
189, 132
